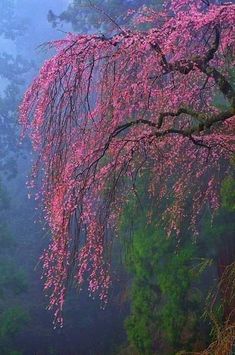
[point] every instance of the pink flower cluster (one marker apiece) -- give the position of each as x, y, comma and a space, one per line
104, 110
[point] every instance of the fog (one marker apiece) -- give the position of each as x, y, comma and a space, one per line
169, 293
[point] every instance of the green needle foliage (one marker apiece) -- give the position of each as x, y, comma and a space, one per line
228, 194
165, 302
171, 277
167, 298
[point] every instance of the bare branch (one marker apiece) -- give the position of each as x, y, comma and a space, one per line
101, 11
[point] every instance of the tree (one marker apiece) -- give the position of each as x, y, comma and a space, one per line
105, 109
12, 70
86, 15
10, 27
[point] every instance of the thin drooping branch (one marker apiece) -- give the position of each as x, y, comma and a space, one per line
205, 123
105, 14
94, 114
185, 66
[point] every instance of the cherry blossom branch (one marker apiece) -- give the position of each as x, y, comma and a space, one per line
185, 66
205, 124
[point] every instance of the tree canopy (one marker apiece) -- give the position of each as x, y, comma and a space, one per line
95, 15
105, 109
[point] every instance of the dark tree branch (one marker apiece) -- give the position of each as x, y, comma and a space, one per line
205, 124
223, 84
185, 66
183, 110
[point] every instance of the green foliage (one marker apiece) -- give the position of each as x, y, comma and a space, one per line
220, 236
6, 240
12, 278
13, 283
168, 293
85, 17
12, 321
162, 301
219, 232
228, 194
175, 278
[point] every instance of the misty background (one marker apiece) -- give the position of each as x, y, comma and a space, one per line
26, 325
